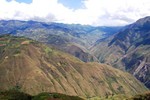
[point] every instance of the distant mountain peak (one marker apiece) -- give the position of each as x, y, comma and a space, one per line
142, 21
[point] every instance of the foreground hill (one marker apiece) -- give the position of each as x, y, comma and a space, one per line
128, 50
143, 96
34, 68
63, 36
17, 95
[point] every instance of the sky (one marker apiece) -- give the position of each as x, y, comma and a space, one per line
85, 12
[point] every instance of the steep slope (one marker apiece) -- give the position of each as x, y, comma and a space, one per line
80, 53
70, 47
60, 35
129, 50
34, 68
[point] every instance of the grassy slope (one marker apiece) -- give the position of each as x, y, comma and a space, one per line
34, 68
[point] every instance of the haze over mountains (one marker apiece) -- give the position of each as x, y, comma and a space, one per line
24, 62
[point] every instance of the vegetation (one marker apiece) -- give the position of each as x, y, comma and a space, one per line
14, 95
17, 95
145, 96
53, 96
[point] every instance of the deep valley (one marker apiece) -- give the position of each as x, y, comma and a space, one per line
74, 60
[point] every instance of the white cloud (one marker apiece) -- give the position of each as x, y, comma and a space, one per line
94, 12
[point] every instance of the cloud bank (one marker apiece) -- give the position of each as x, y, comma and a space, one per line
93, 12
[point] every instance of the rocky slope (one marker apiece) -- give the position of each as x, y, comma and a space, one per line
34, 68
128, 50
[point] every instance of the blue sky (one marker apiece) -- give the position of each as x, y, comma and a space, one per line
86, 12
24, 1
73, 4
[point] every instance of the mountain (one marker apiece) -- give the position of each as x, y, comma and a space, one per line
62, 36
33, 67
84, 35
128, 50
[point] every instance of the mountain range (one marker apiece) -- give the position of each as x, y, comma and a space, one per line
72, 38
32, 67
41, 54
128, 50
